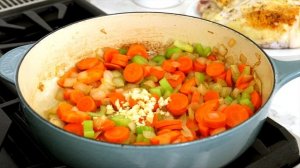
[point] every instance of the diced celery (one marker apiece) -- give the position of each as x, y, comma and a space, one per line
122, 51
141, 138
139, 59
152, 77
172, 50
140, 129
102, 109
167, 93
118, 82
249, 89
200, 77
247, 70
116, 73
183, 46
120, 120
236, 93
216, 87
228, 100
202, 50
165, 85
245, 95
88, 130
245, 101
92, 114
148, 84
156, 90
235, 72
226, 91
159, 59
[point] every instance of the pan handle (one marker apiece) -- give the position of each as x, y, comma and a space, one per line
10, 61
285, 71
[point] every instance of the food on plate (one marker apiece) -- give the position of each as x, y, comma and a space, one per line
270, 23
131, 95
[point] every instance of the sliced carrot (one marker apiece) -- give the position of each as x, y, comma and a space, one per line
155, 119
199, 67
158, 73
163, 123
86, 103
208, 106
74, 116
87, 63
178, 104
196, 96
116, 96
165, 138
212, 57
119, 59
210, 95
67, 93
92, 75
117, 134
217, 130
108, 54
241, 67
75, 96
137, 49
163, 131
74, 128
185, 64
235, 114
133, 73
186, 87
177, 80
173, 127
168, 65
215, 68
62, 108
222, 76
191, 124
101, 124
111, 66
214, 119
203, 129
98, 103
228, 78
243, 81
256, 99
249, 110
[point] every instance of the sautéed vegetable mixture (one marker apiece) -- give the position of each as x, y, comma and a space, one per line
130, 96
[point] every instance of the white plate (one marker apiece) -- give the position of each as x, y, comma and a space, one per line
280, 54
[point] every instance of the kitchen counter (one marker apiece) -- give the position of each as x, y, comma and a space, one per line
285, 107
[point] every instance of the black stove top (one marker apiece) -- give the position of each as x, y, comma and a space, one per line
274, 146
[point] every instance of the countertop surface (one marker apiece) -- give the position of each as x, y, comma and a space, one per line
285, 106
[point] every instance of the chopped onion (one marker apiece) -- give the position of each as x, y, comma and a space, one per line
118, 82
69, 82
82, 87
132, 127
60, 95
97, 94
222, 50
56, 121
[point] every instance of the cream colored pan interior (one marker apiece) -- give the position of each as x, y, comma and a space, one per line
50, 57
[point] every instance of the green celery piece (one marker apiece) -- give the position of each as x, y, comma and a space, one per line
207, 51
123, 51
88, 130
140, 129
102, 109
159, 59
139, 59
247, 70
216, 87
249, 89
200, 77
172, 50
118, 82
89, 134
199, 49
156, 90
228, 100
95, 114
165, 85
247, 102
167, 93
141, 138
183, 46
235, 72
120, 120
245, 95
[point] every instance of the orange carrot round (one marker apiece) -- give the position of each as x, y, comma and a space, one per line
108, 54
210, 95
180, 76
256, 99
133, 73
86, 103
75, 96
208, 106
111, 66
119, 59
199, 67
137, 49
214, 119
215, 68
235, 114
186, 87
158, 73
178, 104
117, 134
87, 63
186, 64
168, 65
74, 128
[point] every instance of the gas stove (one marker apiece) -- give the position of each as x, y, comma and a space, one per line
26, 21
